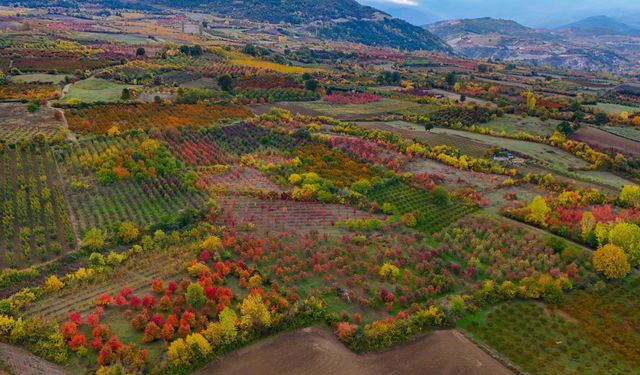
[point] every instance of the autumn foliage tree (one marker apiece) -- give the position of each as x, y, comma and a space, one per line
538, 210
612, 261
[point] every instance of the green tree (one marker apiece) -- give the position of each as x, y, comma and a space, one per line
33, 105
311, 85
440, 196
451, 78
195, 296
226, 83
565, 128
602, 118
140, 51
126, 94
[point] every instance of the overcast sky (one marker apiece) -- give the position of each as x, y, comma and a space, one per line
528, 12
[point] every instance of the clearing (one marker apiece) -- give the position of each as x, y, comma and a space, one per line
513, 124
93, 90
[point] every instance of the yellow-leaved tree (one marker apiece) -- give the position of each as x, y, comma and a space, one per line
630, 195
53, 284
627, 237
389, 271
538, 210
612, 261
254, 313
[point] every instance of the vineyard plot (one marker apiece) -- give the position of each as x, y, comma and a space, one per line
432, 216
35, 220
284, 215
143, 201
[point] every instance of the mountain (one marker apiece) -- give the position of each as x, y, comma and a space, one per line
345, 20
601, 25
410, 14
483, 26
508, 40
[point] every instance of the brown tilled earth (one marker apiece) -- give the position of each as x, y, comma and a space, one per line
316, 351
603, 140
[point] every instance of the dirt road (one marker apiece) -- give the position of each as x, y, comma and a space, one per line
20, 362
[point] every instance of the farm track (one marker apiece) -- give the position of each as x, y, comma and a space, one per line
21, 362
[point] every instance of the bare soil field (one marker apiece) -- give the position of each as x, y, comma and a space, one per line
16, 122
603, 140
20, 361
312, 351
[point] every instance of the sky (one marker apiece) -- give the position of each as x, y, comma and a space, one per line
533, 13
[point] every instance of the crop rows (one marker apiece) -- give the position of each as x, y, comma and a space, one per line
432, 216
101, 118
35, 221
245, 138
143, 202
137, 276
140, 202
283, 215
197, 148
547, 343
239, 179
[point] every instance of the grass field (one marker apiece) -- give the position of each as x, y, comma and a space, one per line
93, 90
515, 124
623, 131
383, 106
39, 77
614, 108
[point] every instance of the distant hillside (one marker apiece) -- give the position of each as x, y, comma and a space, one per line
275, 11
508, 40
408, 13
483, 26
600, 25
338, 19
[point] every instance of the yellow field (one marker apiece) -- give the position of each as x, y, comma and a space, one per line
253, 63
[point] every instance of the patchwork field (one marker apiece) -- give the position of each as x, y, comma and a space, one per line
217, 189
